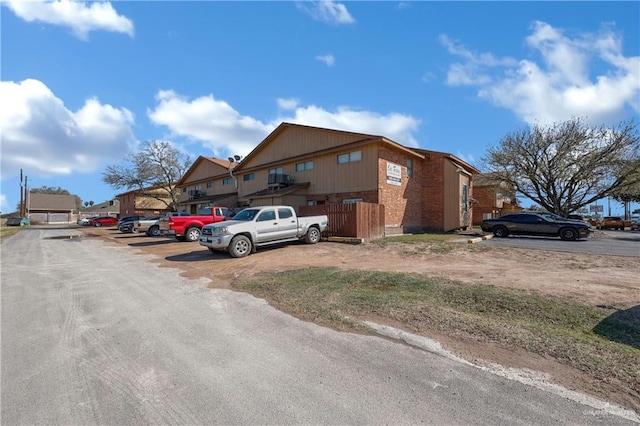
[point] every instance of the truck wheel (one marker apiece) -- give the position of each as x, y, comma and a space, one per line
192, 234
240, 246
154, 231
313, 235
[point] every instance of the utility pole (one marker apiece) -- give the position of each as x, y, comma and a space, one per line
27, 194
21, 207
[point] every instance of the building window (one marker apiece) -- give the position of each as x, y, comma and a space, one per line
276, 171
465, 198
249, 176
301, 167
209, 184
197, 188
185, 189
350, 157
409, 167
351, 200
227, 181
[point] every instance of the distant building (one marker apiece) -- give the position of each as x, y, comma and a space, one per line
493, 197
51, 208
106, 208
147, 202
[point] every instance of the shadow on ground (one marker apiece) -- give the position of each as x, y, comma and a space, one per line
623, 326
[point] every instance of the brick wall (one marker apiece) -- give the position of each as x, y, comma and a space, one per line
403, 203
433, 192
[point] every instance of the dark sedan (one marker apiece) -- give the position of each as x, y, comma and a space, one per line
537, 223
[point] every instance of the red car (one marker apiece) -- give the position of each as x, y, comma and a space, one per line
104, 221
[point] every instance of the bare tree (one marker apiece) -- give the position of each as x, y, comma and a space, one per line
153, 172
568, 165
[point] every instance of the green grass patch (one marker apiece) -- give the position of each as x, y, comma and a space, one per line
6, 231
597, 341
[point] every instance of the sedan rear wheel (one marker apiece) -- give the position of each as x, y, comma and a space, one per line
154, 231
500, 231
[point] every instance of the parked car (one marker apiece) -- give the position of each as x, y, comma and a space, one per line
260, 226
148, 225
537, 223
612, 222
126, 226
128, 219
188, 228
86, 220
103, 221
635, 224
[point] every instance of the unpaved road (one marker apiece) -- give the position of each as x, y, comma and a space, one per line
106, 329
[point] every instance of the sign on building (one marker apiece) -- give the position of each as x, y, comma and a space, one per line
394, 174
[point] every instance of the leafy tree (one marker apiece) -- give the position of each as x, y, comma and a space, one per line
568, 165
49, 190
159, 165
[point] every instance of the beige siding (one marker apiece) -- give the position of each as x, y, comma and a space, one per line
299, 141
326, 177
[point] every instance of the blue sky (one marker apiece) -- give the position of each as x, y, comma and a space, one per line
85, 83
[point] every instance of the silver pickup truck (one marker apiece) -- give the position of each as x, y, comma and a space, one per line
259, 226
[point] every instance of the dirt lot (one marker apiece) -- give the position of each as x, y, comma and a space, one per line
591, 279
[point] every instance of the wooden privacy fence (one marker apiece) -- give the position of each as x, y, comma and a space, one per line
357, 220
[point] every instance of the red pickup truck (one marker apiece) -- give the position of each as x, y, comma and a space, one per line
187, 228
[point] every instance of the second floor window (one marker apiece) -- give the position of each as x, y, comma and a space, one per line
209, 184
307, 165
409, 167
350, 157
276, 171
249, 176
227, 181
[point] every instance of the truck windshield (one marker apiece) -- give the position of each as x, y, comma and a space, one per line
246, 214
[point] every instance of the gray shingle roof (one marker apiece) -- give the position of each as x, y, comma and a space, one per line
52, 202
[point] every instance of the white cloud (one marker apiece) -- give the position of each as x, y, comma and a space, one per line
211, 121
80, 17
583, 76
397, 127
329, 60
287, 104
41, 135
225, 131
327, 11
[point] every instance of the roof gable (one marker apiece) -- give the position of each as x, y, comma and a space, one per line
206, 167
292, 140
62, 202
